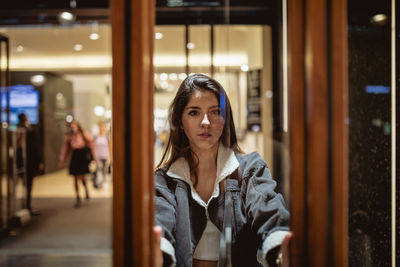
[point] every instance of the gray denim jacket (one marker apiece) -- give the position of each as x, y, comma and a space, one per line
259, 220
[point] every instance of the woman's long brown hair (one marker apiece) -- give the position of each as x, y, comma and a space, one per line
178, 144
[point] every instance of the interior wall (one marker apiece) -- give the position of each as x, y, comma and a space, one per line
90, 90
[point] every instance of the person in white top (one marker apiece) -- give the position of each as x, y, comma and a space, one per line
211, 198
102, 149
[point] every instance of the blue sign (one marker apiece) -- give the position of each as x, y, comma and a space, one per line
22, 99
377, 89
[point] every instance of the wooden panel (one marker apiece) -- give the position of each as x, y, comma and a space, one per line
339, 131
317, 131
142, 140
296, 129
118, 130
133, 172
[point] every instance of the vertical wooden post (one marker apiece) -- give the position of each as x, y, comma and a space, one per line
317, 53
133, 172
296, 93
340, 135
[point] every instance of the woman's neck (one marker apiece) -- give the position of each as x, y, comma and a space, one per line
207, 158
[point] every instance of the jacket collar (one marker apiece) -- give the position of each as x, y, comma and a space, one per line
227, 163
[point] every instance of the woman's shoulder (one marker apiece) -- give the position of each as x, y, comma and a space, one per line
163, 180
161, 177
250, 159
87, 135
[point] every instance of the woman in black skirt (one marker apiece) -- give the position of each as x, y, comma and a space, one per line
80, 144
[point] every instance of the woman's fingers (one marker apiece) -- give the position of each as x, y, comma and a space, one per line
157, 251
284, 255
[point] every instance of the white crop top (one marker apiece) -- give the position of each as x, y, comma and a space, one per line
208, 246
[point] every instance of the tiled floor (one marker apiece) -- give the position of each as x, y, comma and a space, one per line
60, 184
62, 236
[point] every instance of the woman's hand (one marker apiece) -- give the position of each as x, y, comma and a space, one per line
158, 262
61, 165
283, 259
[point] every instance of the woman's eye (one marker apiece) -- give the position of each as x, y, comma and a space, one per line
193, 112
216, 112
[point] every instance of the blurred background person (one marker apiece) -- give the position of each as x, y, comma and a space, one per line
79, 143
33, 164
102, 151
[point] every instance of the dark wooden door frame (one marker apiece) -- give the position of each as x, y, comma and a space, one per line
317, 55
317, 47
132, 99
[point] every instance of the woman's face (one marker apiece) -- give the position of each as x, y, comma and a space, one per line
74, 127
202, 120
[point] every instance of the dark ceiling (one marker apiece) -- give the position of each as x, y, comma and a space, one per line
169, 12
174, 12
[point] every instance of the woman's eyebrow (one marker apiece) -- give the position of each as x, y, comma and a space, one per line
193, 107
196, 107
215, 106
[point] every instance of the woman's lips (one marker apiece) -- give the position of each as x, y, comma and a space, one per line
205, 135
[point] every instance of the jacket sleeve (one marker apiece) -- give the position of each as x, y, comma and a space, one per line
265, 209
166, 218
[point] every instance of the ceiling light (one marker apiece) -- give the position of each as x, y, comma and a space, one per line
244, 67
163, 76
78, 47
94, 36
379, 19
159, 35
38, 80
99, 111
20, 48
173, 76
66, 17
182, 76
190, 45
72, 3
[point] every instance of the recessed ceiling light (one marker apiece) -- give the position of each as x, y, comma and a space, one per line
173, 76
244, 67
38, 80
190, 45
66, 17
94, 36
20, 48
159, 35
182, 76
379, 19
78, 47
163, 76
99, 111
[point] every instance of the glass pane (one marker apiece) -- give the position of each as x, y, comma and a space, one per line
239, 57
58, 73
169, 71
370, 132
199, 48
238, 44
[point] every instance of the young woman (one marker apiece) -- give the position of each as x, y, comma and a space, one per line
216, 205
79, 143
101, 144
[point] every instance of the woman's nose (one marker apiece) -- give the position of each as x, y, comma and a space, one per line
205, 121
